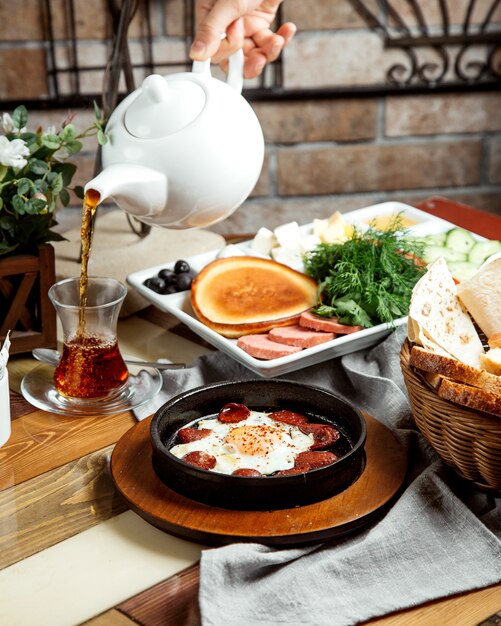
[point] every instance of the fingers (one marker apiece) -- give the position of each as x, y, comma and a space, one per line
267, 47
287, 31
244, 27
234, 41
216, 17
254, 64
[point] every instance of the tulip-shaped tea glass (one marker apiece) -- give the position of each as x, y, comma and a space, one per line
91, 366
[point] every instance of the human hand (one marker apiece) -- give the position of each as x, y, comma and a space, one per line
246, 24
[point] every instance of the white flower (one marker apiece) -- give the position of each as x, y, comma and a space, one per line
7, 123
12, 152
50, 130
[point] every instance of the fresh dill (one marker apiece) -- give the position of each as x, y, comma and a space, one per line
369, 278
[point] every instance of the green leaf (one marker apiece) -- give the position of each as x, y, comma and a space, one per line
349, 312
55, 181
41, 185
65, 197
5, 248
68, 133
53, 236
74, 146
20, 117
79, 192
38, 204
23, 186
30, 207
7, 224
18, 204
101, 137
97, 110
29, 138
38, 167
3, 171
67, 170
51, 141
325, 311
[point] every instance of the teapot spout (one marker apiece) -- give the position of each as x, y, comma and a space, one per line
138, 190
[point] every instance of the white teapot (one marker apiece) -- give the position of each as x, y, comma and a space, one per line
184, 150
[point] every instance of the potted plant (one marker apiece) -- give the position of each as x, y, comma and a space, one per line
35, 180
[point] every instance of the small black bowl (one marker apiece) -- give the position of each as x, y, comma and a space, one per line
267, 492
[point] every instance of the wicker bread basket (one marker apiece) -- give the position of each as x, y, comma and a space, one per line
468, 441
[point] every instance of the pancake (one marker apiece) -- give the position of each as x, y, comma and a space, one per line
244, 295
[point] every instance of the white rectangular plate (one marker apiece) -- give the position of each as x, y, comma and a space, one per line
179, 305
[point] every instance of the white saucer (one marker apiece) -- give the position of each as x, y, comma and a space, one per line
38, 389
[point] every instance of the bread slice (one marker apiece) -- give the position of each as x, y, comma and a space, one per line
472, 397
491, 361
452, 368
495, 340
245, 295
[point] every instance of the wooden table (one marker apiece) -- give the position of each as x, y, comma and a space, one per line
71, 552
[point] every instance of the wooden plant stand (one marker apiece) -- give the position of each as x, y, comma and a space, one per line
25, 308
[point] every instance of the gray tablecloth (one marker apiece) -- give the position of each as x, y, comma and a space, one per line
441, 537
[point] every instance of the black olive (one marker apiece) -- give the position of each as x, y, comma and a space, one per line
183, 281
156, 284
181, 267
170, 289
168, 275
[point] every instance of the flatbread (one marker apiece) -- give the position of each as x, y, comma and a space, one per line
417, 336
481, 295
437, 317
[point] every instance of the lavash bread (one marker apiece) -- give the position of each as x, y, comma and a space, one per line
438, 321
481, 295
245, 295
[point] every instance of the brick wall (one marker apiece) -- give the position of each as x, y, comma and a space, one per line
321, 154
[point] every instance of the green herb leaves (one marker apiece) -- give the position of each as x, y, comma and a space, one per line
368, 279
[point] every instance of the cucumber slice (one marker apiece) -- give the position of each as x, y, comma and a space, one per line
482, 250
437, 239
460, 240
431, 253
461, 270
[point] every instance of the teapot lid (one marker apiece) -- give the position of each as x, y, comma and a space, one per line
164, 107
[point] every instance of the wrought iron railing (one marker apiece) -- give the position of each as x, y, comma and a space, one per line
451, 44
464, 56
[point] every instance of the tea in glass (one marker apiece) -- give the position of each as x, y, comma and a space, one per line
91, 365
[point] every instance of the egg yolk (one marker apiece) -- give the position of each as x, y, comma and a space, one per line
254, 440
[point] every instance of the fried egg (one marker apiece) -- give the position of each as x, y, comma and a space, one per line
258, 442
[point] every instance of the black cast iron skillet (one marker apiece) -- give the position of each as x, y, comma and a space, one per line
258, 493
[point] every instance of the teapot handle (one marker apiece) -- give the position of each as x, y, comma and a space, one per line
235, 69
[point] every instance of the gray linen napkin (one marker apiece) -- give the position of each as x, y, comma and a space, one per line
441, 537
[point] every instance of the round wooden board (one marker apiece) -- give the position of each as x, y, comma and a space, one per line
362, 502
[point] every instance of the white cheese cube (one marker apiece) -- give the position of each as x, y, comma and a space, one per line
288, 235
308, 242
319, 226
230, 250
288, 257
263, 241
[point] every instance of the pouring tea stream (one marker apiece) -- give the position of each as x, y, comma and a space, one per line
184, 150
